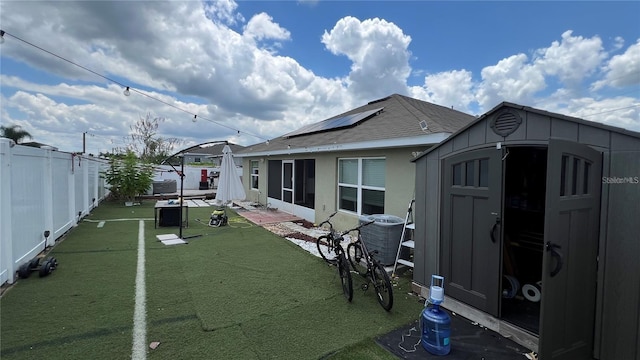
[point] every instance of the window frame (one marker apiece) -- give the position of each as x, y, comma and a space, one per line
360, 187
255, 177
470, 173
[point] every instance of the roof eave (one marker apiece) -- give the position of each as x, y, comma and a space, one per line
421, 140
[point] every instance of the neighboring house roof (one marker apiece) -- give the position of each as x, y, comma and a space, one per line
38, 145
211, 149
396, 124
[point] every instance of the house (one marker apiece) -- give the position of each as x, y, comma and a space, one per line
209, 153
202, 166
532, 218
357, 162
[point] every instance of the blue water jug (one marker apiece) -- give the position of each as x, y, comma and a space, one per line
435, 322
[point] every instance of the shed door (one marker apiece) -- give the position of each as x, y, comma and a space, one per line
571, 248
471, 231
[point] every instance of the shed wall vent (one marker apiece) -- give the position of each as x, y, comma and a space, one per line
505, 122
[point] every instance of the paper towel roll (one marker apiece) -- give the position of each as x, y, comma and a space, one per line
531, 292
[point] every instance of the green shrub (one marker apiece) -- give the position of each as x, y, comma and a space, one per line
128, 177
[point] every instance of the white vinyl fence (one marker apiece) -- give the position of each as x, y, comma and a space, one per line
42, 190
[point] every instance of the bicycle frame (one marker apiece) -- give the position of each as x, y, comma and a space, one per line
375, 272
332, 242
368, 257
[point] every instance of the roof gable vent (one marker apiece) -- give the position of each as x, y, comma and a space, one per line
505, 122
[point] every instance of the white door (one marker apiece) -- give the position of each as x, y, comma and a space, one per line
287, 186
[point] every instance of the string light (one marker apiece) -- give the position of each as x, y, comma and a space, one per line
195, 118
127, 90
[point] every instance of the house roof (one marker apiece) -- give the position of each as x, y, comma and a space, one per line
213, 148
396, 124
505, 104
38, 145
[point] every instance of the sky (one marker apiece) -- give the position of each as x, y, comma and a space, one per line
249, 71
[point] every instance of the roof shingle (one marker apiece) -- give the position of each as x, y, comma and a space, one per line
400, 118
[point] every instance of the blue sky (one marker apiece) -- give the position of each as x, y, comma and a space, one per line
254, 70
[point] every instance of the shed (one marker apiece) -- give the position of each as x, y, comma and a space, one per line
532, 218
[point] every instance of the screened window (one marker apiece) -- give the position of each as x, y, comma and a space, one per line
361, 185
254, 174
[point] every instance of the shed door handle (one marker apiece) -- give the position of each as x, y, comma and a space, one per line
493, 230
551, 247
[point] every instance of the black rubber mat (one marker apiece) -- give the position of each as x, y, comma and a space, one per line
469, 341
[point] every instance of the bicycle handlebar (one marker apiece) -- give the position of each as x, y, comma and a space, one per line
357, 228
327, 221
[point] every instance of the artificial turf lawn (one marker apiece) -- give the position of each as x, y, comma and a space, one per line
234, 292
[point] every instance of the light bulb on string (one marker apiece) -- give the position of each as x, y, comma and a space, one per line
1, 36
126, 92
195, 118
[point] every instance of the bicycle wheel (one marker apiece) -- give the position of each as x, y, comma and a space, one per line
345, 277
356, 258
382, 284
326, 249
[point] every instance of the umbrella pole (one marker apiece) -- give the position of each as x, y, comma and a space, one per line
181, 202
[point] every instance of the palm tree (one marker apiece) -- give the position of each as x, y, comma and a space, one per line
14, 132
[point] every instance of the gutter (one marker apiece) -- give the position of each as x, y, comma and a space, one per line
363, 145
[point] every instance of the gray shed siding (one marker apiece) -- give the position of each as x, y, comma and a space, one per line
620, 296
617, 328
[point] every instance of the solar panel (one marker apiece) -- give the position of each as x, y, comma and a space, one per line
336, 123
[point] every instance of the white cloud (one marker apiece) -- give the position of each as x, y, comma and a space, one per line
223, 11
511, 79
191, 55
379, 53
261, 26
572, 59
622, 70
622, 112
452, 88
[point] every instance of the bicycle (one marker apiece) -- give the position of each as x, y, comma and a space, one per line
326, 243
332, 252
372, 269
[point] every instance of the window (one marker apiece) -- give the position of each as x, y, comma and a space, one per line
457, 174
472, 173
197, 159
361, 185
254, 174
484, 173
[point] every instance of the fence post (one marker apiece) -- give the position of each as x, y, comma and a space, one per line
48, 205
7, 269
72, 191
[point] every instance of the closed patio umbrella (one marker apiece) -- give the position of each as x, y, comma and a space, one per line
229, 183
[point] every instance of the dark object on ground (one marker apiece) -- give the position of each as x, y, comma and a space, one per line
468, 341
44, 269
